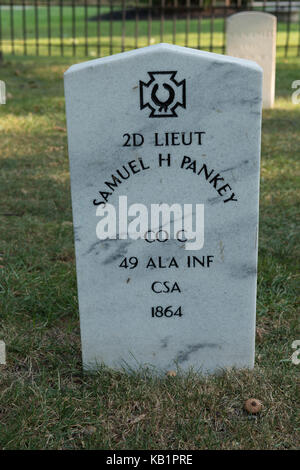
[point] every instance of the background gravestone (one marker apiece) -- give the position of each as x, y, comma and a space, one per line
202, 147
252, 35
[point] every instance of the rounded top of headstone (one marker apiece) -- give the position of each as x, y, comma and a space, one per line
161, 49
252, 20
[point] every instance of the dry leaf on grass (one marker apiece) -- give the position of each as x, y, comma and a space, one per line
138, 419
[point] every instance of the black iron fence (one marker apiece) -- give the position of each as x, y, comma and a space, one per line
102, 27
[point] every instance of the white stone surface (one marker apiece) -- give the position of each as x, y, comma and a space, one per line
223, 99
252, 35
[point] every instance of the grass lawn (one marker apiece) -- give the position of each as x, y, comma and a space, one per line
45, 400
192, 33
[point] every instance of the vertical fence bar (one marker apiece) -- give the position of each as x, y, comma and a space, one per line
175, 6
212, 19
187, 21
12, 31
98, 28
162, 20
86, 44
123, 25
49, 26
200, 4
276, 12
24, 27
288, 29
149, 21
224, 27
298, 53
111, 28
136, 23
1, 49
61, 28
73, 28
36, 15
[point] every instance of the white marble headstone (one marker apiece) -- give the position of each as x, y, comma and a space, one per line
166, 125
252, 36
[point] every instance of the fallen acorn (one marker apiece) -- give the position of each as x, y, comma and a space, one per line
253, 406
171, 373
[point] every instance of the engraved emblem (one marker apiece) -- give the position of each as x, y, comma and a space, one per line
163, 94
